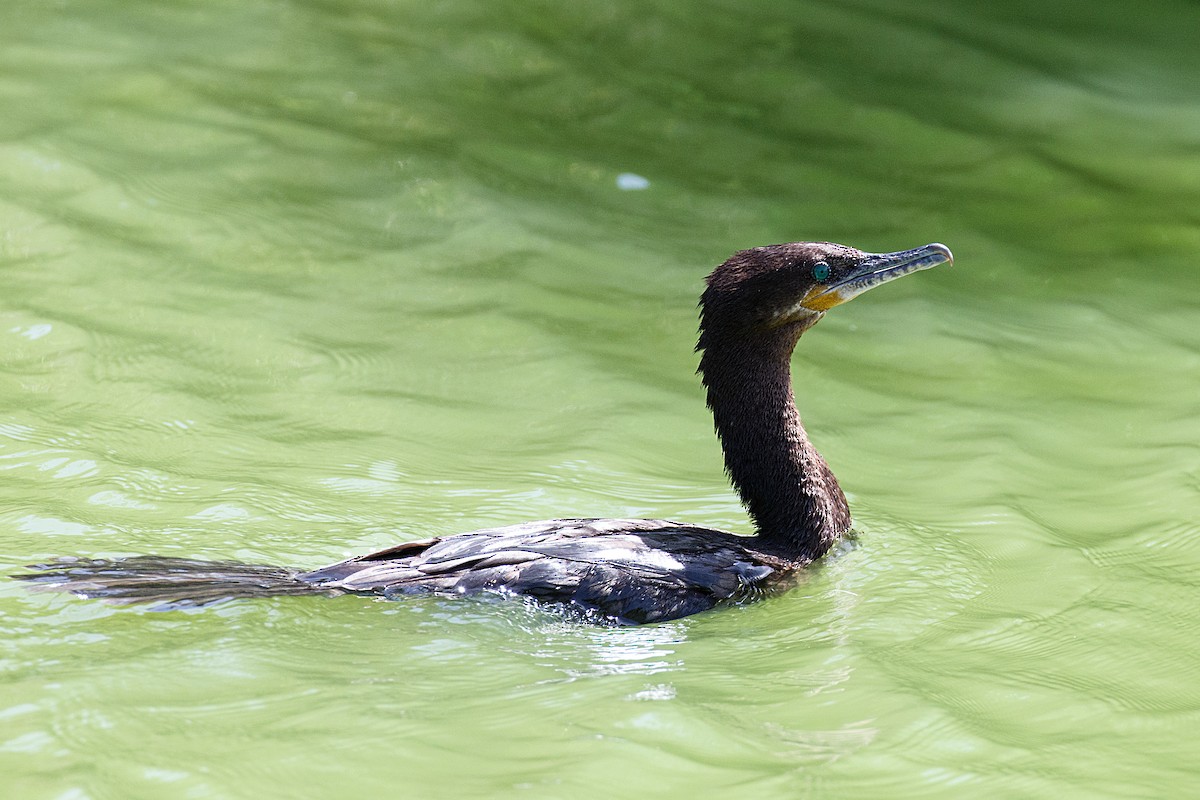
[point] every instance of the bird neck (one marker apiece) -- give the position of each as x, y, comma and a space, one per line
791, 494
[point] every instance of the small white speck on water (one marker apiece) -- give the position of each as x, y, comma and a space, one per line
36, 331
631, 182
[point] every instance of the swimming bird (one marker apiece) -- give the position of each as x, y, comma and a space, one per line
753, 311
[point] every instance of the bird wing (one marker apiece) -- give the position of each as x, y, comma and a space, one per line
627, 570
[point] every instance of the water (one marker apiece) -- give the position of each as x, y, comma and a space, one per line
287, 282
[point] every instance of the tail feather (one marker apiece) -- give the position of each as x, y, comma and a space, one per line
169, 582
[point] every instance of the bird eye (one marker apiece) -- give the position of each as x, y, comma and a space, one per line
820, 270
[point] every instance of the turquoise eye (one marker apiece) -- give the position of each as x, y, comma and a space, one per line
820, 270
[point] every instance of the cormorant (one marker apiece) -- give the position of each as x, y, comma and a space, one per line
614, 571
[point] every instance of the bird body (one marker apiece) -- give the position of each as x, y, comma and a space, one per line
625, 570
753, 311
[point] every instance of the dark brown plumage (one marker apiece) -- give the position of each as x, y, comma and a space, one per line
753, 311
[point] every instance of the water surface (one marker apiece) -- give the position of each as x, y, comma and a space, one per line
287, 282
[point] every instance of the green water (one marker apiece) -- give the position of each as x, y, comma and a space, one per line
290, 281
